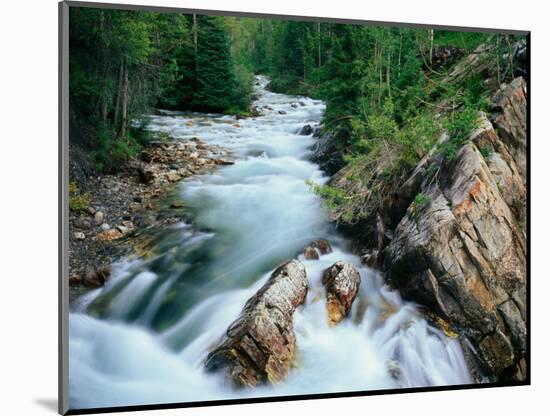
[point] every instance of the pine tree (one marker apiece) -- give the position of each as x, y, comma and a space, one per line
215, 72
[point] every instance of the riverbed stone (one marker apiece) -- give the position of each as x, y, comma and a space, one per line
99, 217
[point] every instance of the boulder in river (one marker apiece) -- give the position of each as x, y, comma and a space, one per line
306, 130
310, 253
341, 281
322, 245
258, 347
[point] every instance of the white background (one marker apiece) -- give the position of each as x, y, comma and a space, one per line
28, 205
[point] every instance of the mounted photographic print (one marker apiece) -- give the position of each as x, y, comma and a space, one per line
259, 208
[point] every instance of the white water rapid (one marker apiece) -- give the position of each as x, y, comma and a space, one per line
142, 338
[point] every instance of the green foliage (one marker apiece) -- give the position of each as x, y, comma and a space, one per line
421, 200
463, 40
458, 125
78, 201
485, 152
111, 151
156, 53
216, 83
341, 205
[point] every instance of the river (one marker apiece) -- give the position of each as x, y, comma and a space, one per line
143, 337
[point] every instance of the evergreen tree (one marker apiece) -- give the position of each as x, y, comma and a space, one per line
215, 72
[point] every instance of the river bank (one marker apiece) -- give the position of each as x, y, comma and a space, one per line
116, 210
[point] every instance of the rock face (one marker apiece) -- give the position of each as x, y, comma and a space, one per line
463, 253
341, 281
510, 118
258, 347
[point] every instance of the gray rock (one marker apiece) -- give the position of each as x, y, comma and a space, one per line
79, 235
105, 227
510, 119
83, 223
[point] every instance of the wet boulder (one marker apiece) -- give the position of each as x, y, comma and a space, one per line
306, 130
310, 253
323, 246
341, 281
259, 346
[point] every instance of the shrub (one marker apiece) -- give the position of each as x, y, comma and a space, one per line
78, 201
421, 200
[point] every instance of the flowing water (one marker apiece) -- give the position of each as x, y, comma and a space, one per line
142, 338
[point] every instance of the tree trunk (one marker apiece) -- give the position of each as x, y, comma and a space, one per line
118, 93
388, 75
124, 104
399, 56
319, 35
431, 35
379, 59
498, 61
195, 36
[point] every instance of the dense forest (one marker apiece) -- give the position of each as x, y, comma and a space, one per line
378, 82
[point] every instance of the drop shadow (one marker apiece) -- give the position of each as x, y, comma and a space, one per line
48, 404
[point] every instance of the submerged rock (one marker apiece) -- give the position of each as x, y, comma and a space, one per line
342, 282
258, 347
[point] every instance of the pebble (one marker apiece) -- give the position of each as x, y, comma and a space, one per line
79, 235
99, 217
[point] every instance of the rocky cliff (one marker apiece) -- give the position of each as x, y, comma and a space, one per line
460, 249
